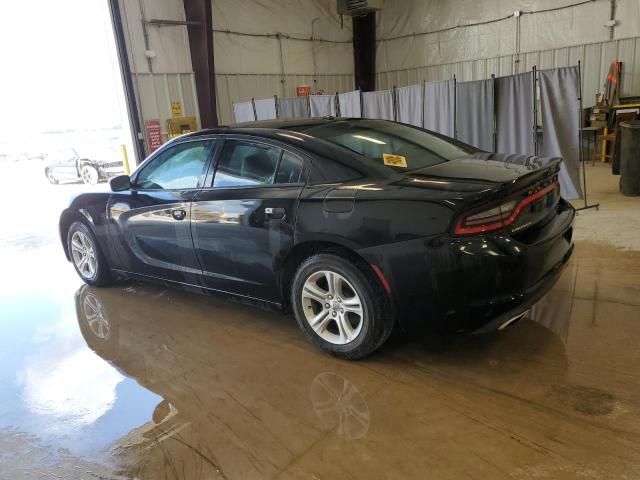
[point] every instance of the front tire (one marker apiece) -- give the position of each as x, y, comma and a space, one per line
340, 306
89, 175
86, 256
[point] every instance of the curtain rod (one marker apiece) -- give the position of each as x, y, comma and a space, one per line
280, 35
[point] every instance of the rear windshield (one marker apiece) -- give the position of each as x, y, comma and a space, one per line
399, 147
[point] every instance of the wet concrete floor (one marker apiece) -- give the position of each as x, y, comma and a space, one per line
138, 381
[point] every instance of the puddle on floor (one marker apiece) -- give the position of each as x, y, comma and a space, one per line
147, 382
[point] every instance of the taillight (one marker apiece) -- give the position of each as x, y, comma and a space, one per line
497, 217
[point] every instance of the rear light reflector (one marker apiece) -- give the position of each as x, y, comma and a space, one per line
382, 278
499, 216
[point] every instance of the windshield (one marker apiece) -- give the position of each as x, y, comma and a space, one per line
106, 153
63, 155
394, 145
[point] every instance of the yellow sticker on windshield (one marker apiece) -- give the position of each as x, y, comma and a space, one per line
394, 160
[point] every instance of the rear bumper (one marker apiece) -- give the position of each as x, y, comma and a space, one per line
109, 172
475, 283
517, 308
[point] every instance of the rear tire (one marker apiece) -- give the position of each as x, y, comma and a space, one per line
86, 256
340, 306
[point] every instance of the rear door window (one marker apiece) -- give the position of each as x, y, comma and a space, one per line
245, 164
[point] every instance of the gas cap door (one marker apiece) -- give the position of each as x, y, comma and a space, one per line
340, 200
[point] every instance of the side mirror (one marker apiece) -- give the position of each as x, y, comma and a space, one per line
120, 183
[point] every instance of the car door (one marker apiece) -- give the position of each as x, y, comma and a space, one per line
243, 222
150, 223
66, 166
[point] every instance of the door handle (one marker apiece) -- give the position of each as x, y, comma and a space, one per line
275, 212
178, 214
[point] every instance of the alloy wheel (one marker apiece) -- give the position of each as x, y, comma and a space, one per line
332, 307
89, 175
83, 253
95, 317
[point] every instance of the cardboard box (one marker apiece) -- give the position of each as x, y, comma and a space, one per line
600, 110
598, 116
598, 123
601, 101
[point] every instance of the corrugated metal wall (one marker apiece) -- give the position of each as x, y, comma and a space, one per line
156, 91
170, 77
595, 60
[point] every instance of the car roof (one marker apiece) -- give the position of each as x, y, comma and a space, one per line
280, 124
294, 133
273, 128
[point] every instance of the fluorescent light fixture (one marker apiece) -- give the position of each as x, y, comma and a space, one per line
293, 137
369, 139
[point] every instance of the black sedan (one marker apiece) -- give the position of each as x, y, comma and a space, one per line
355, 225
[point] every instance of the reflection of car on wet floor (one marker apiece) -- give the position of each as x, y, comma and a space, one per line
255, 404
91, 167
214, 397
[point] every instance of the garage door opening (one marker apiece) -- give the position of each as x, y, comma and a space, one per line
64, 128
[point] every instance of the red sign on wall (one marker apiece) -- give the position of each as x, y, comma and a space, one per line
153, 132
303, 90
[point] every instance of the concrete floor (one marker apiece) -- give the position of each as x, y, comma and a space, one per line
138, 381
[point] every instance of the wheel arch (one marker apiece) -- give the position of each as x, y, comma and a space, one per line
301, 251
66, 220
86, 161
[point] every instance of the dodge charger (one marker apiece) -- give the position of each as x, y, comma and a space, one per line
356, 226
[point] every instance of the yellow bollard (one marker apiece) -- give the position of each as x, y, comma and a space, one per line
603, 157
125, 159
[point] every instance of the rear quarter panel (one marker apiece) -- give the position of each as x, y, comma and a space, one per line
404, 233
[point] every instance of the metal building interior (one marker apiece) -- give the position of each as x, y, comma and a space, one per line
140, 380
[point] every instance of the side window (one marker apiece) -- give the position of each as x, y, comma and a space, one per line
290, 169
245, 163
178, 167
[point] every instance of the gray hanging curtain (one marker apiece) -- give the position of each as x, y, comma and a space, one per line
409, 104
439, 100
514, 114
378, 105
474, 113
293, 107
560, 107
243, 112
265, 108
350, 104
323, 105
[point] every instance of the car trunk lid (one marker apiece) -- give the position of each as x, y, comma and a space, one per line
524, 190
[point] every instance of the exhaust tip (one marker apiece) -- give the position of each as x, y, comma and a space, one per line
513, 320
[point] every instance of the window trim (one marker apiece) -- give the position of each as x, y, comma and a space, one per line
168, 146
306, 163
